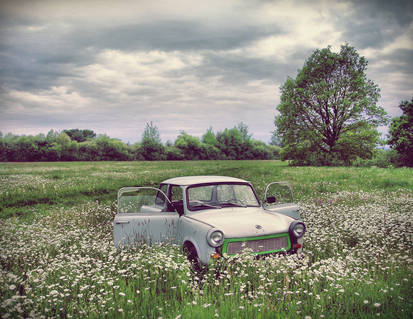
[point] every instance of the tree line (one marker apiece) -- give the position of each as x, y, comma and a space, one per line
85, 145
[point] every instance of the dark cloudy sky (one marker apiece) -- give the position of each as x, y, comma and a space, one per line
112, 66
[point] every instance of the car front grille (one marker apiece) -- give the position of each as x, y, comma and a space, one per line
258, 245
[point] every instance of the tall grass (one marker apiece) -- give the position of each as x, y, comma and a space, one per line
24, 185
357, 260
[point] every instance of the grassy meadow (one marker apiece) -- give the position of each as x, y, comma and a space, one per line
57, 257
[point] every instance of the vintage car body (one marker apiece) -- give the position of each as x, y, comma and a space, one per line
210, 216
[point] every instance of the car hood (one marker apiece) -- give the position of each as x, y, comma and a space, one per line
244, 222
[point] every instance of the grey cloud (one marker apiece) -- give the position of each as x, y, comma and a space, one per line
238, 69
36, 54
38, 61
399, 61
171, 35
398, 11
35, 60
403, 60
373, 23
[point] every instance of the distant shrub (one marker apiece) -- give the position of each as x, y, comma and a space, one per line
173, 154
382, 158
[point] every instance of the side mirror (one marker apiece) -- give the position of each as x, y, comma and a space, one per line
270, 200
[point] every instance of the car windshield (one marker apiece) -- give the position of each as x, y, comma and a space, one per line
213, 196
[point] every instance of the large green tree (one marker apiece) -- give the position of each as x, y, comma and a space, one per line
329, 114
401, 134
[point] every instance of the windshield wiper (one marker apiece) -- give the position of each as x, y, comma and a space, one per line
202, 204
236, 203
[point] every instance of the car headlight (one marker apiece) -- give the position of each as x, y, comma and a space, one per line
215, 237
297, 229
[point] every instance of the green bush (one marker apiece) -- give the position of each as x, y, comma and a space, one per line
382, 158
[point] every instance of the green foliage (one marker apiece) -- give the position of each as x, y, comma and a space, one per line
110, 149
209, 137
275, 139
26, 148
151, 146
65, 148
210, 152
235, 143
381, 158
152, 151
88, 151
401, 134
151, 133
189, 146
328, 109
80, 135
243, 129
230, 143
173, 153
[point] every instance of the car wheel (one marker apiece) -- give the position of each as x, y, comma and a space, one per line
192, 255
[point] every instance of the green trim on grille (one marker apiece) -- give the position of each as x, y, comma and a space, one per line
243, 239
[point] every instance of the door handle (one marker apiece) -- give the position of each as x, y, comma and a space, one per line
122, 222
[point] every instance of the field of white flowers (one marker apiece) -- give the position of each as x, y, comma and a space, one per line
357, 263
57, 258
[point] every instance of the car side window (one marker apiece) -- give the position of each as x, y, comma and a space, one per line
176, 193
160, 198
143, 200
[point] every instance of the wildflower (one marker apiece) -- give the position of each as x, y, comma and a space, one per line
365, 302
12, 287
122, 294
377, 305
53, 293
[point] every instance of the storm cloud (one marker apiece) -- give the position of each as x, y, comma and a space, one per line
112, 66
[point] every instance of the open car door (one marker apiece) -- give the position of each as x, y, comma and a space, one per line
279, 198
144, 214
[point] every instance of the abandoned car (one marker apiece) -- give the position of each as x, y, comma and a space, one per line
210, 216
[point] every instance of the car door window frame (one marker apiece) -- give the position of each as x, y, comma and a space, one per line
167, 205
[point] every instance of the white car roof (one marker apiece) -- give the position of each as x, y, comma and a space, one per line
191, 180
